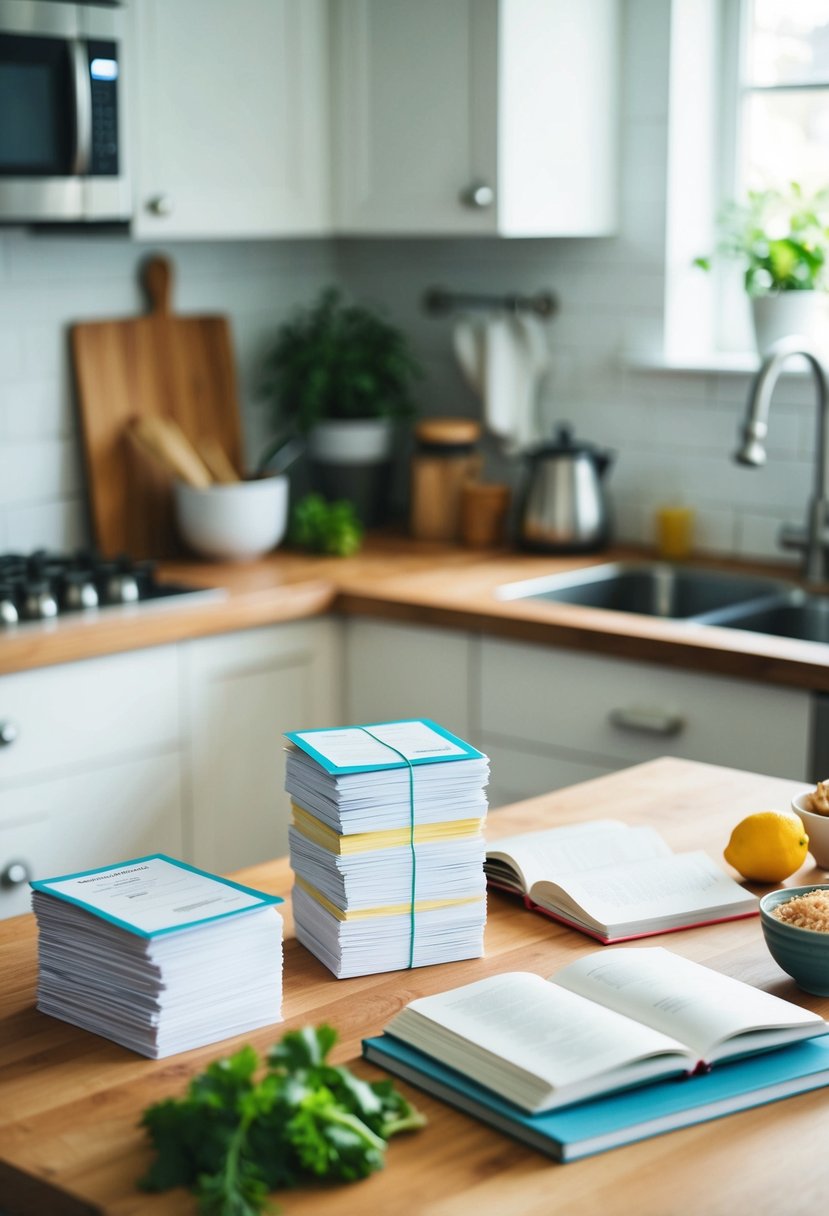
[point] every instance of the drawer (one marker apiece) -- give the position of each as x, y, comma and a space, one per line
559, 699
77, 713
85, 820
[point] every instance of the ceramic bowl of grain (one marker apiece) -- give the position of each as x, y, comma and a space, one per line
795, 924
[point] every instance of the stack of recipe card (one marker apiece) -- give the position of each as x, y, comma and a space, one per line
158, 956
387, 846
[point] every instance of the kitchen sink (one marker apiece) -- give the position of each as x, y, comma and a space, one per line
801, 616
651, 589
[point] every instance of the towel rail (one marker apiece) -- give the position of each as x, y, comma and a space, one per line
437, 301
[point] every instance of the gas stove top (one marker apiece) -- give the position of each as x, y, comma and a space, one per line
40, 586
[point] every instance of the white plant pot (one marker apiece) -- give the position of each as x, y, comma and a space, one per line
352, 460
789, 313
353, 441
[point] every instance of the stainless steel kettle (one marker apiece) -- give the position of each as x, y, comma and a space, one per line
565, 507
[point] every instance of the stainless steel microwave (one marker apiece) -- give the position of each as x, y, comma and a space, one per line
62, 122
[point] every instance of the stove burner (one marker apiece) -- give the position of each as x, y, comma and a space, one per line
41, 585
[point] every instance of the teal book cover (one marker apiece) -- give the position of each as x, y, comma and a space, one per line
621, 1118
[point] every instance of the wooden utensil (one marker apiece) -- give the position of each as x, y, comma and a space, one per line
217, 460
162, 440
158, 366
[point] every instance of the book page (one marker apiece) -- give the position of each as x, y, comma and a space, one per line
572, 849
693, 1003
642, 894
533, 1026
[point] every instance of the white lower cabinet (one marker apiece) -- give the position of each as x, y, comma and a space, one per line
89, 767
408, 671
614, 712
517, 773
244, 690
87, 819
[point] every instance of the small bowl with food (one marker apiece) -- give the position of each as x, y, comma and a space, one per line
795, 924
813, 808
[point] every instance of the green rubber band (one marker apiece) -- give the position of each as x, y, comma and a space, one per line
411, 837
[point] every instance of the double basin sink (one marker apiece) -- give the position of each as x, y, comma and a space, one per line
707, 597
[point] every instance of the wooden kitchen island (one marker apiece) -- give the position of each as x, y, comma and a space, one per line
70, 1102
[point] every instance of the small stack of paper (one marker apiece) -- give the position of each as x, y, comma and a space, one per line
158, 956
387, 845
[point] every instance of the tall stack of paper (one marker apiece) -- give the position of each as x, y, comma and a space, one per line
158, 956
387, 846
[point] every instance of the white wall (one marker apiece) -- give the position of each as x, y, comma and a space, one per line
673, 434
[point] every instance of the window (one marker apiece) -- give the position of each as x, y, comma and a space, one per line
783, 104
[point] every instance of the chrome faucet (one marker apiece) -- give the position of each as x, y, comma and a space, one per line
814, 538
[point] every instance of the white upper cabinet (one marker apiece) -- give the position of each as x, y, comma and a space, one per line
474, 117
231, 118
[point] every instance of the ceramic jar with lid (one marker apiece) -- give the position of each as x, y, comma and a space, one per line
446, 457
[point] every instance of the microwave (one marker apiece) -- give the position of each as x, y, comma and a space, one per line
62, 121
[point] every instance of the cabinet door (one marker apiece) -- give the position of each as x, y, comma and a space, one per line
231, 116
244, 691
415, 115
80, 715
400, 671
476, 116
87, 819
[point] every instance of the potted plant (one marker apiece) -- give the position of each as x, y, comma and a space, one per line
782, 240
341, 376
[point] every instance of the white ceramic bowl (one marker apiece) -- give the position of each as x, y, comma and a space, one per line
233, 522
817, 829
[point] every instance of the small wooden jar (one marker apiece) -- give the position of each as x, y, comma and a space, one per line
484, 507
446, 459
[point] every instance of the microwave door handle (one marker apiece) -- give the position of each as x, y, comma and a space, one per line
82, 88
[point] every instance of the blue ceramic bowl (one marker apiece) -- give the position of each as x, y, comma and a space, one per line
802, 953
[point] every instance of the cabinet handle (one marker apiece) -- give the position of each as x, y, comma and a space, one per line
16, 874
8, 732
479, 196
161, 204
663, 722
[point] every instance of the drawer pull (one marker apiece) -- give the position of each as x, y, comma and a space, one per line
16, 874
662, 722
8, 732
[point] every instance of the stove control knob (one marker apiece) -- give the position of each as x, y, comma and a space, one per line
15, 874
8, 732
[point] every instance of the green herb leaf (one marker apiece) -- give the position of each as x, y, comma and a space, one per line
233, 1138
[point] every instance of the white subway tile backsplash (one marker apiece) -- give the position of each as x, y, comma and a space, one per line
58, 526
39, 470
36, 410
11, 356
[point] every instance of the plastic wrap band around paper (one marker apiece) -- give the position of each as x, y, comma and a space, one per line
410, 767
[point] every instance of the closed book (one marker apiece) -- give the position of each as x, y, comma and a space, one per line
612, 1120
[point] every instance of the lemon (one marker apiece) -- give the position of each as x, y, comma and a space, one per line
767, 846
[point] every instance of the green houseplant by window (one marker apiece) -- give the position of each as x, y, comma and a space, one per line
341, 375
781, 240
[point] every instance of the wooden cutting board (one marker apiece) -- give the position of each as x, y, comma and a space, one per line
180, 367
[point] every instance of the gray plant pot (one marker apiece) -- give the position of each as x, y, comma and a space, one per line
352, 459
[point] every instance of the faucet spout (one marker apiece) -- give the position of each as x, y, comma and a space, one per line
752, 450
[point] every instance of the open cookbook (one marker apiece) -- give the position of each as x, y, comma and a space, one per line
613, 881
610, 1021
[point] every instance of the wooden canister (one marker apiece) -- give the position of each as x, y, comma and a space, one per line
484, 508
445, 459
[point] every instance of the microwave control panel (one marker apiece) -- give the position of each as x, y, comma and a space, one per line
103, 75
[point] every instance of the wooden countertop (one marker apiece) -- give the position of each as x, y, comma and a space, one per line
70, 1101
398, 579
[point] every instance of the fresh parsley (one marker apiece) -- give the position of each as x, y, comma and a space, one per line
325, 527
233, 1138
